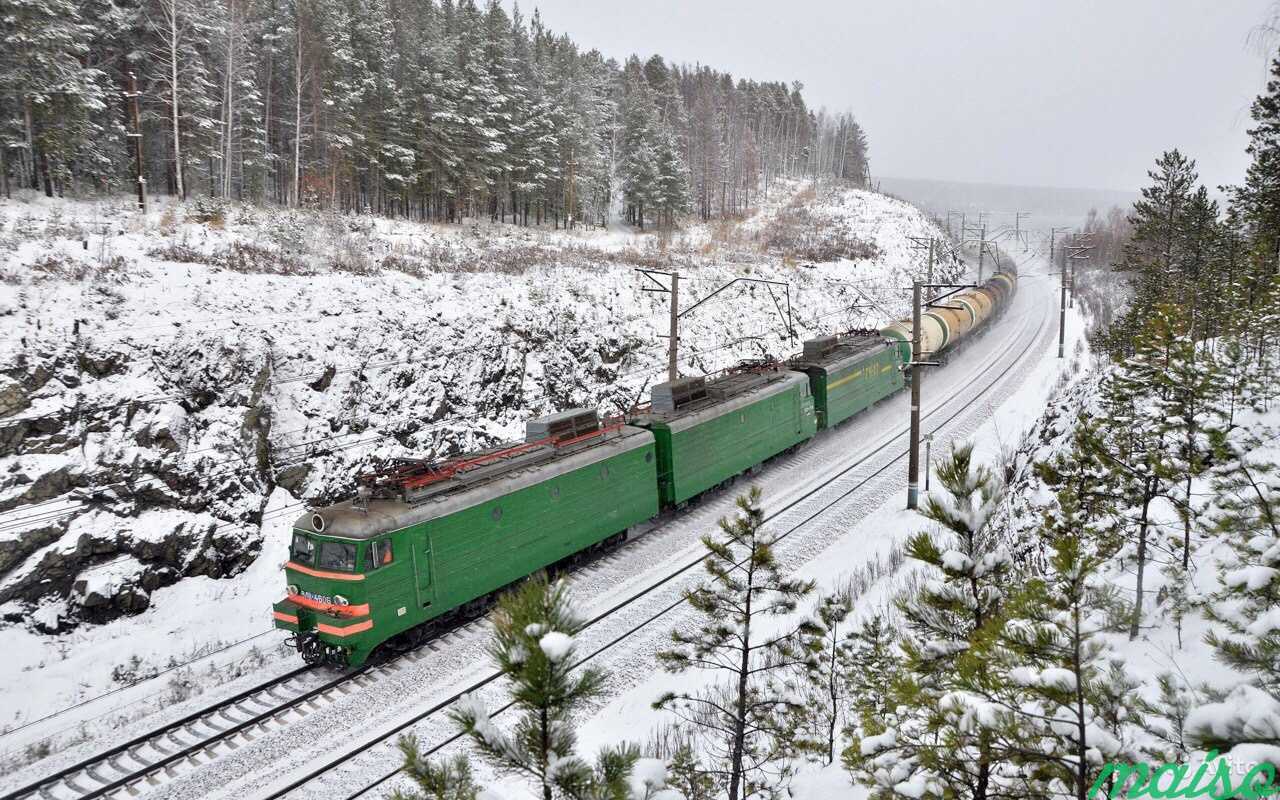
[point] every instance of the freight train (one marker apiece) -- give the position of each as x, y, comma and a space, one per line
422, 543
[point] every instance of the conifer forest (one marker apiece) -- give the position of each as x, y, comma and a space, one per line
425, 109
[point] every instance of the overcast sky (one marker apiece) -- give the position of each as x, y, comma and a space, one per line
1081, 93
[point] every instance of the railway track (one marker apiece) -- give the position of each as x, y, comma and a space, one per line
838, 494
160, 756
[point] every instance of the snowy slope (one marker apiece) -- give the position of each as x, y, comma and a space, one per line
175, 390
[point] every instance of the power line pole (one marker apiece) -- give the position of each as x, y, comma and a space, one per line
917, 375
672, 287
1018, 217
1062, 308
137, 138
919, 243
673, 344
982, 250
917, 379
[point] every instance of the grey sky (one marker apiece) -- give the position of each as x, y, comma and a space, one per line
1063, 93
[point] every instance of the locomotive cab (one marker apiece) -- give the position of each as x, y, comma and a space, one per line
334, 584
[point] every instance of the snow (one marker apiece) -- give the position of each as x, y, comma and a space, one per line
556, 645
466, 307
956, 561
874, 744
648, 776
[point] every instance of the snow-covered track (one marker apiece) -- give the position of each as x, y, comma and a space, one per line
138, 759
812, 504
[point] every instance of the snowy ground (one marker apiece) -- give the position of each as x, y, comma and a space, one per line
175, 390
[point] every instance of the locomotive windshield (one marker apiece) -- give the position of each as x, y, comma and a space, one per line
303, 549
338, 556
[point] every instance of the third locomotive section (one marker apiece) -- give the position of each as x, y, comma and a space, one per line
424, 542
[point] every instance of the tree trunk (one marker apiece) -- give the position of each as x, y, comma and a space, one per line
1082, 743
228, 96
44, 173
171, 10
744, 672
1147, 496
297, 117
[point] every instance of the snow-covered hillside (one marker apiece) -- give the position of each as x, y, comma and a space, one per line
175, 388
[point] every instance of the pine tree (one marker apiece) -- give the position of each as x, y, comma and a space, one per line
935, 746
1166, 720
640, 147
741, 715
823, 685
448, 780
874, 667
1136, 437
1153, 251
534, 649
43, 75
1186, 389
1248, 604
1257, 202
1040, 680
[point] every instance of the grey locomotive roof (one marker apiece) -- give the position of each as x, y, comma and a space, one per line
702, 410
845, 354
476, 486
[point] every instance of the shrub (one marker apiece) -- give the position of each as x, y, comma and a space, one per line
247, 257
211, 211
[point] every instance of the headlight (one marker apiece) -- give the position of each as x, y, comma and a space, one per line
340, 600
292, 589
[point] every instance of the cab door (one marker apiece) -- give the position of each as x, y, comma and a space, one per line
423, 568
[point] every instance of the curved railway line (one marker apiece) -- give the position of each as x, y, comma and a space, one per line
155, 758
840, 493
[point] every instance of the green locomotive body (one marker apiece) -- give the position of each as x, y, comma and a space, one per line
848, 375
362, 572
709, 431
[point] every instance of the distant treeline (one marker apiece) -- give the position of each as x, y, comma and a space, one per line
422, 108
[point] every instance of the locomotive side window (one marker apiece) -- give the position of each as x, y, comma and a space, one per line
339, 556
302, 549
378, 554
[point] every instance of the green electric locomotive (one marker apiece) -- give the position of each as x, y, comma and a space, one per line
423, 541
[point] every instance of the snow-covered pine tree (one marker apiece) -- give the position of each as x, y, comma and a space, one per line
640, 145
45, 76
936, 750
534, 649
1135, 440
740, 716
1153, 248
875, 666
1082, 478
1247, 607
445, 780
671, 190
181, 34
1257, 201
1047, 696
1166, 719
1187, 398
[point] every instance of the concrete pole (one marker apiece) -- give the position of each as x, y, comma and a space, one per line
982, 251
673, 344
137, 139
1062, 308
913, 459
